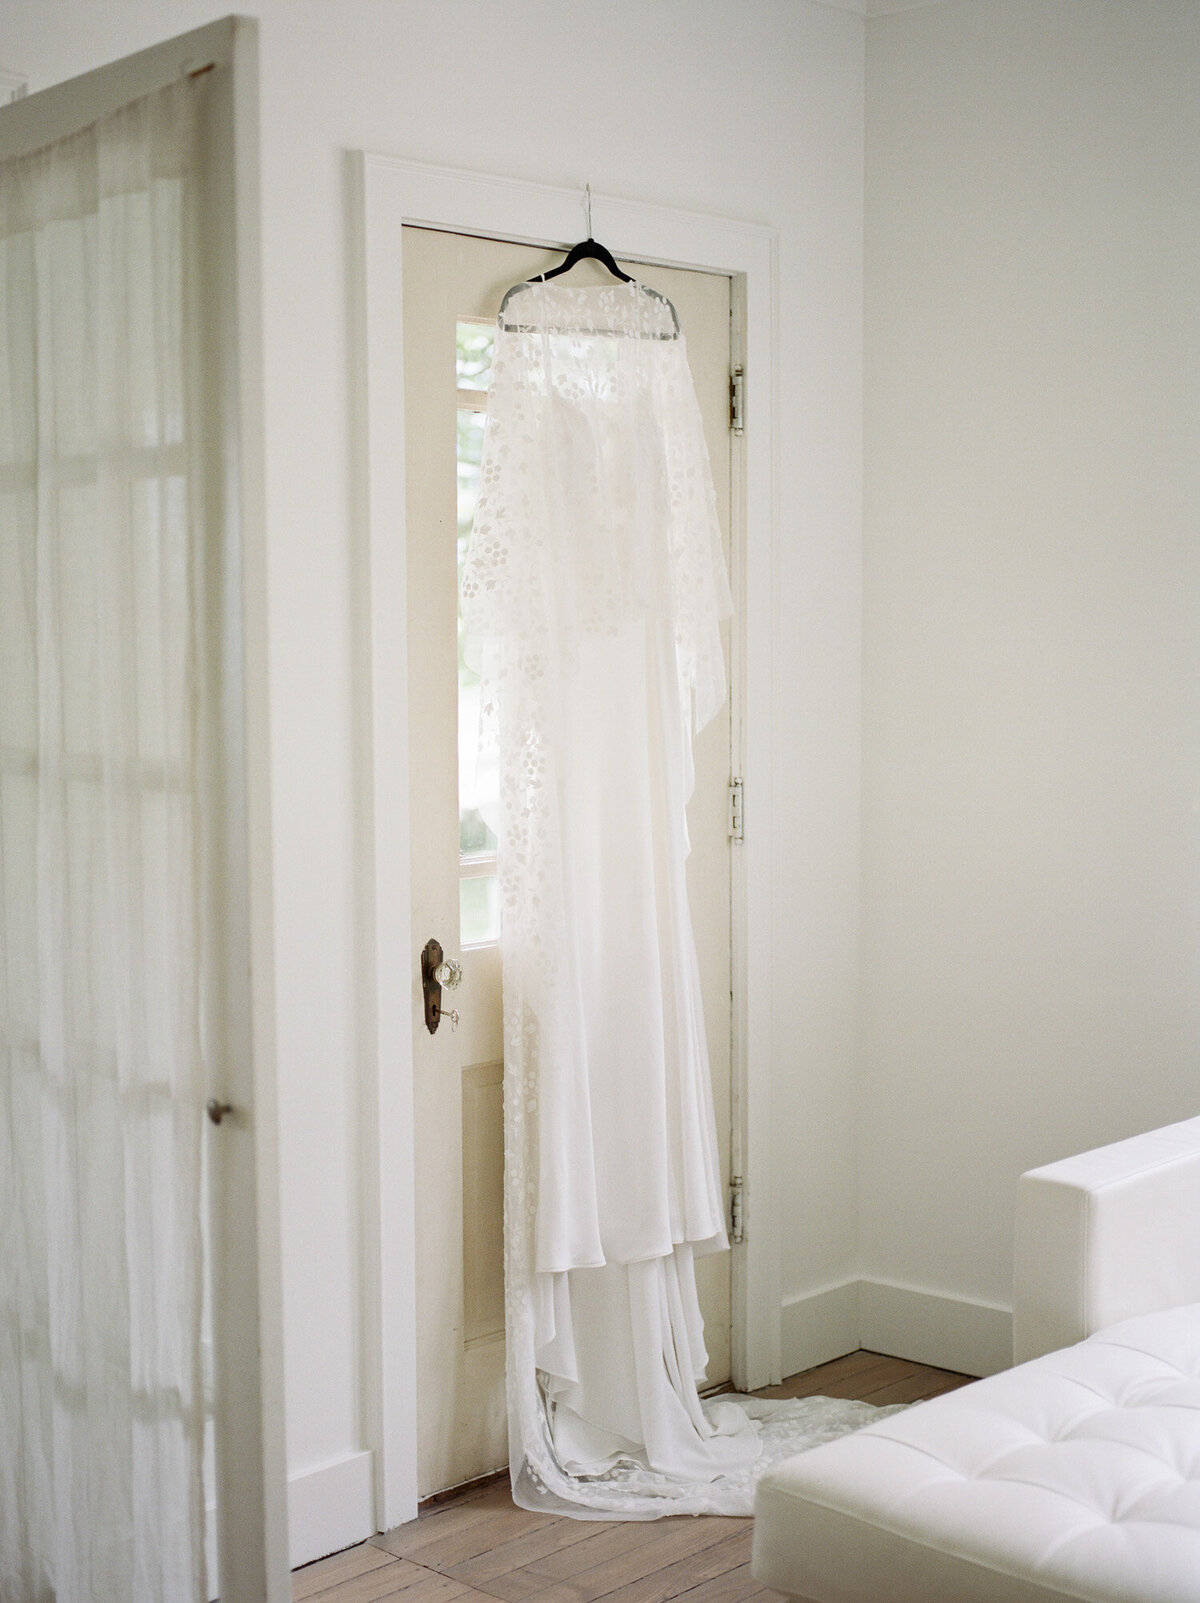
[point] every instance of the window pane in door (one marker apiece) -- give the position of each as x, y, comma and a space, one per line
478, 787
479, 910
477, 780
475, 342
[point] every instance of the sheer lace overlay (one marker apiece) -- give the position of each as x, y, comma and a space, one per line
593, 593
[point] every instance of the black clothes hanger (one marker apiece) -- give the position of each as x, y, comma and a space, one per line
587, 249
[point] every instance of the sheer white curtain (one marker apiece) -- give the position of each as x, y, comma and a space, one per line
104, 906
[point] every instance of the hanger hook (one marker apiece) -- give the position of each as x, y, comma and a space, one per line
587, 207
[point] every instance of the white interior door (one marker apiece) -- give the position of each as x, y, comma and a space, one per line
453, 285
247, 1472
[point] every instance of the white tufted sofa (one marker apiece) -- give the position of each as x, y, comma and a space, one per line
1074, 1475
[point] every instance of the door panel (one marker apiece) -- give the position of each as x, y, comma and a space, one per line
462, 1429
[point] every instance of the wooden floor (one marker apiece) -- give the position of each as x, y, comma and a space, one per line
480, 1546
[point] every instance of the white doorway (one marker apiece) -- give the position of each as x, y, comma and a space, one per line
392, 194
453, 287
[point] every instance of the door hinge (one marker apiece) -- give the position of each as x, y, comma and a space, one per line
737, 1232
737, 399
736, 828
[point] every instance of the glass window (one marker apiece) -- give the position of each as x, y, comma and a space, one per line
475, 344
478, 781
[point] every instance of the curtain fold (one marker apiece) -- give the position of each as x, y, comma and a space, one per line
101, 881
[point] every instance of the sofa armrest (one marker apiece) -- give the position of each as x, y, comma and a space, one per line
1106, 1235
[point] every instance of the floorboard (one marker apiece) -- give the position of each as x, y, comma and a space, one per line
479, 1546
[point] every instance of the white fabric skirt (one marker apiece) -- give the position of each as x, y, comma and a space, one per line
620, 1352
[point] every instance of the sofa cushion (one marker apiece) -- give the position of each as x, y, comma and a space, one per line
1074, 1476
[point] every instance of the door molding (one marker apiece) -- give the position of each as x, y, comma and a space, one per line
386, 195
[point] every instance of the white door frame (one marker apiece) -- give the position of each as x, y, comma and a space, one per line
248, 1327
388, 194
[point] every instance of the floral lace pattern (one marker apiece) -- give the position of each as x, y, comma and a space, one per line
567, 538
596, 522
786, 1427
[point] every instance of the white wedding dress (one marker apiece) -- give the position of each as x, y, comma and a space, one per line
593, 591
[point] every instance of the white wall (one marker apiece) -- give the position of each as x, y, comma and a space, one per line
1032, 824
752, 111
1032, 613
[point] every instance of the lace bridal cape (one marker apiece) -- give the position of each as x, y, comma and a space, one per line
593, 592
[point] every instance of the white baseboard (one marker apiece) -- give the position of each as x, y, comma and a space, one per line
328, 1509
974, 1338
819, 1326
